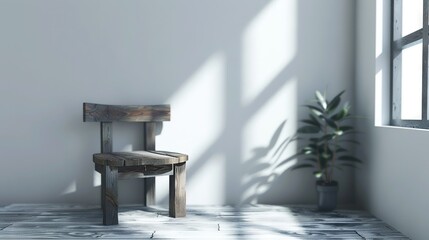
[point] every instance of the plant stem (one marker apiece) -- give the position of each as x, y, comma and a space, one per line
325, 150
318, 160
334, 156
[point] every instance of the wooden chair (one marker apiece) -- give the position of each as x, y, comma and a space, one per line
146, 164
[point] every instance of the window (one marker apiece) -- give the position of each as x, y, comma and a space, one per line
409, 63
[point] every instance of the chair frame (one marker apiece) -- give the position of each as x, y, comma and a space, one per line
148, 115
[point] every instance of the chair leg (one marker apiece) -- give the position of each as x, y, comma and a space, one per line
149, 191
109, 198
102, 192
177, 184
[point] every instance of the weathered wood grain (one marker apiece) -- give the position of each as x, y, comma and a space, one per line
137, 158
182, 157
149, 184
146, 171
127, 113
106, 137
109, 179
138, 164
98, 168
106, 147
178, 191
140, 171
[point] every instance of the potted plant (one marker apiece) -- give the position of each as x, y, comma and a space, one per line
326, 134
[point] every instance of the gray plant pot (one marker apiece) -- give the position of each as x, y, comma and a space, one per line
327, 196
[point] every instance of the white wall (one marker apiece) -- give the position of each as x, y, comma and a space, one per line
392, 184
233, 72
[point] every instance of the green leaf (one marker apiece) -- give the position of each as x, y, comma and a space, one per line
312, 145
313, 118
321, 100
348, 165
342, 114
350, 141
308, 151
304, 165
318, 174
311, 122
339, 132
349, 158
352, 132
340, 149
315, 110
326, 155
330, 122
311, 160
335, 102
346, 128
327, 137
308, 129
317, 113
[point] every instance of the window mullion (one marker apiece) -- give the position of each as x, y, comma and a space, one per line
395, 91
425, 60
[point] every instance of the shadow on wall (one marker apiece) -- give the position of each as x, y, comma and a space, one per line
266, 165
267, 67
233, 71
254, 91
250, 63
241, 74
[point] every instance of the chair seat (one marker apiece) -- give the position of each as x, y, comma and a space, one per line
139, 158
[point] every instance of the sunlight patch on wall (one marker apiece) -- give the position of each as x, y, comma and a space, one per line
197, 120
96, 179
197, 110
260, 127
208, 182
266, 141
71, 188
269, 44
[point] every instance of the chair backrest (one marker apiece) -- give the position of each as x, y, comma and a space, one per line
126, 113
106, 114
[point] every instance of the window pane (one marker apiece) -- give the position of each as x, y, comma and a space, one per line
412, 16
411, 81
